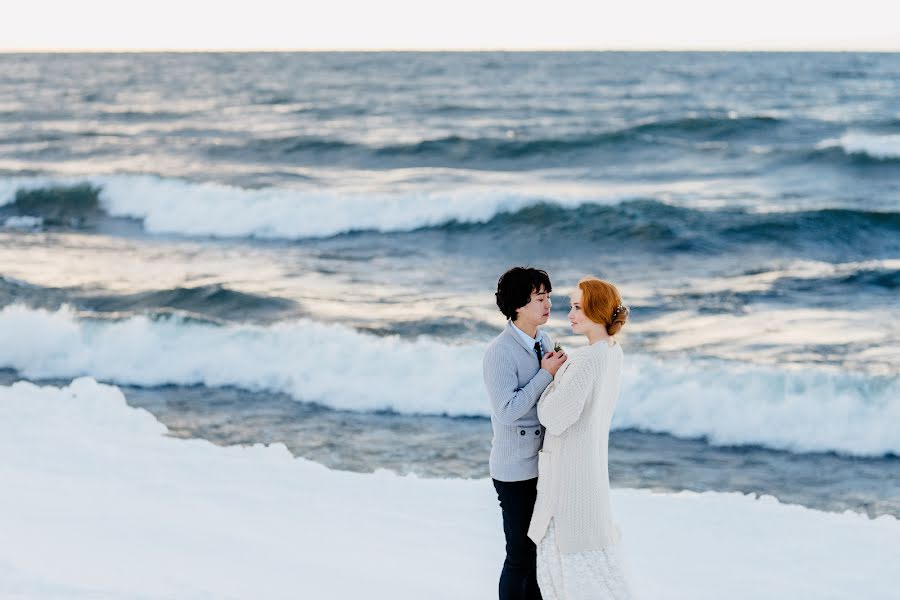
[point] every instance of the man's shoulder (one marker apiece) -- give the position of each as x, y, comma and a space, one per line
502, 339
502, 344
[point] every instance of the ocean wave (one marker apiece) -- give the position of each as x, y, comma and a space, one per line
23, 222
804, 283
834, 234
884, 280
137, 115
458, 148
212, 303
714, 126
462, 149
286, 146
881, 275
654, 226
204, 209
55, 205
865, 146
726, 403
207, 209
216, 301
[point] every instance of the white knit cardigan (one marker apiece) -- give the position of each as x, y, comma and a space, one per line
573, 471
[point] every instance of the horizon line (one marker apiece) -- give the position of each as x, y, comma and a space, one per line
761, 49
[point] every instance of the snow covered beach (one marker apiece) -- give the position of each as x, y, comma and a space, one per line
301, 249
98, 503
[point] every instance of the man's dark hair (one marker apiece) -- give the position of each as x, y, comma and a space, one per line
514, 288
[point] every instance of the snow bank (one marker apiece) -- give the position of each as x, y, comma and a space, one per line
98, 502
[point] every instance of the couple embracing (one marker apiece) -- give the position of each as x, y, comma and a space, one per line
551, 412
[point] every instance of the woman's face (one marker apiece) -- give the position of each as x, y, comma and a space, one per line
577, 318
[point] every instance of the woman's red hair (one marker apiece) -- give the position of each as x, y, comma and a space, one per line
602, 303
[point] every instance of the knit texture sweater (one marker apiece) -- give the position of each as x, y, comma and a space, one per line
573, 480
514, 380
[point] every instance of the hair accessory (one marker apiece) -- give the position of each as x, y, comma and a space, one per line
619, 309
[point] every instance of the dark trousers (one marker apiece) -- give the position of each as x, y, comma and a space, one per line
518, 580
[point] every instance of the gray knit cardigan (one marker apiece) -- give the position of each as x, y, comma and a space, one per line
514, 382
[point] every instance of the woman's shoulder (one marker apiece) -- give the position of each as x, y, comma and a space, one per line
605, 350
580, 354
610, 343
597, 352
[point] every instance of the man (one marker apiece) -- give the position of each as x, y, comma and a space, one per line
518, 366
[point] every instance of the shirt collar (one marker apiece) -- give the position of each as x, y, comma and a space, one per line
530, 341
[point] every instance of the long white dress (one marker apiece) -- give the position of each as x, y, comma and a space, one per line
577, 409
588, 575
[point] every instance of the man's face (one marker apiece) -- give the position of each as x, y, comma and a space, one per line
537, 311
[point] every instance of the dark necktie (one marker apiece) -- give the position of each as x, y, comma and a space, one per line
537, 350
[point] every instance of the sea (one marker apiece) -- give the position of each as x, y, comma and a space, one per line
304, 248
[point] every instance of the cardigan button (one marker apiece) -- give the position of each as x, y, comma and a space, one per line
522, 432
537, 432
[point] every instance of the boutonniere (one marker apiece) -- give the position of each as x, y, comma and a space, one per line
557, 347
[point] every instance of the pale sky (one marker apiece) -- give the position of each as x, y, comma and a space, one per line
450, 24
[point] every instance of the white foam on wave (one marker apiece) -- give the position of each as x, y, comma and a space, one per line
331, 364
99, 502
883, 147
23, 222
180, 207
728, 403
174, 206
170, 206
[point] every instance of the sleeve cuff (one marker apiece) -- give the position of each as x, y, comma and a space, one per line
545, 376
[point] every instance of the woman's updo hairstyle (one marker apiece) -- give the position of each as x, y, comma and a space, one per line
601, 303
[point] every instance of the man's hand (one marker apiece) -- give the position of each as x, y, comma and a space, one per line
552, 361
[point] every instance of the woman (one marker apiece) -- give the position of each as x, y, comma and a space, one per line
578, 554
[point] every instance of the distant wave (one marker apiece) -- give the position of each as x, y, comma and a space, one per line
880, 148
63, 205
653, 226
115, 113
456, 148
852, 231
652, 219
26, 222
808, 284
872, 279
213, 303
714, 125
288, 146
726, 403
204, 209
